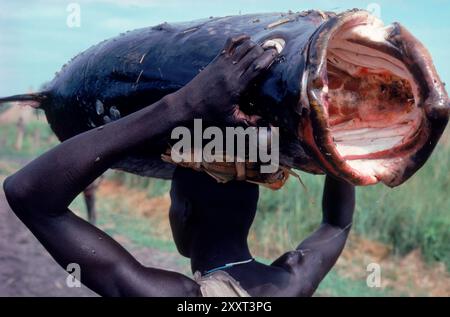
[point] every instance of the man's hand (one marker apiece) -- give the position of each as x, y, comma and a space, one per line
214, 93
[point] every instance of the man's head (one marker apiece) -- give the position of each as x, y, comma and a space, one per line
204, 211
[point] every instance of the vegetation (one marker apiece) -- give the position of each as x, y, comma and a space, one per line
415, 215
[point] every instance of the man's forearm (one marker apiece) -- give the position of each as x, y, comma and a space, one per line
338, 203
58, 176
320, 251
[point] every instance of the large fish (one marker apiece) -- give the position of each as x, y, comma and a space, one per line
352, 97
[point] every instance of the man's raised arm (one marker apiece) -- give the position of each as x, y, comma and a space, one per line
41, 192
318, 253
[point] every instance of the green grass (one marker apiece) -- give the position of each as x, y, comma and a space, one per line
38, 138
117, 219
153, 187
415, 215
336, 285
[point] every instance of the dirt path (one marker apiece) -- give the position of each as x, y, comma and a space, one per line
26, 268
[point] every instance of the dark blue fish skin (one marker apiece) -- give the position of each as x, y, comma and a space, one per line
140, 67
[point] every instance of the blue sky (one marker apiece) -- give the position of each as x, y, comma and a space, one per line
35, 40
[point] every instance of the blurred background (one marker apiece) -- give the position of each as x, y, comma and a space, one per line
405, 231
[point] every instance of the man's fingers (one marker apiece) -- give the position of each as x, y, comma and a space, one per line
232, 42
259, 65
253, 119
239, 118
250, 57
242, 50
265, 60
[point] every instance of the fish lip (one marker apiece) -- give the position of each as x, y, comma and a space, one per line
430, 95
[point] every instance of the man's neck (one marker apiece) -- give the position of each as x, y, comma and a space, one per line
205, 257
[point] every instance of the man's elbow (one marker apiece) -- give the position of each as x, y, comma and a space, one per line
17, 193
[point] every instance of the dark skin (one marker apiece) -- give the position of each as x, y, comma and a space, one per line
210, 221
210, 224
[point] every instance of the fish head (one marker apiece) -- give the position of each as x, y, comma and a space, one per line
373, 104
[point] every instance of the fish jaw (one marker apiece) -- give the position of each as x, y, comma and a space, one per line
375, 105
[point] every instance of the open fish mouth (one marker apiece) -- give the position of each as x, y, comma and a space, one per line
375, 104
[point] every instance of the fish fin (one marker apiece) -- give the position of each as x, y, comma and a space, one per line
33, 100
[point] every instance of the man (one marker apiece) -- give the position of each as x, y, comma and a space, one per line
210, 221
